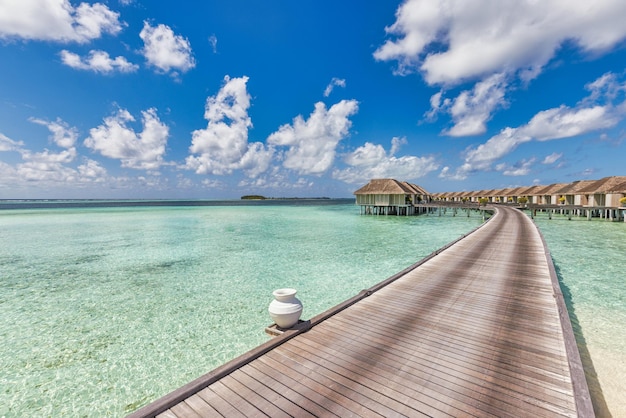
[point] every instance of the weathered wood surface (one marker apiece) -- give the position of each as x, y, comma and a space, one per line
476, 330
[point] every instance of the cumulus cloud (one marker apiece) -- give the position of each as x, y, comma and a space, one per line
372, 161
471, 110
143, 151
556, 123
63, 135
98, 62
552, 158
276, 179
93, 170
521, 168
450, 41
312, 143
456, 41
8, 144
45, 168
56, 20
335, 82
223, 145
166, 51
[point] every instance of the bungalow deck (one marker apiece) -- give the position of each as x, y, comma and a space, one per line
478, 328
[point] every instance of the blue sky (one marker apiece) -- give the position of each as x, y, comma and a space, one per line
209, 100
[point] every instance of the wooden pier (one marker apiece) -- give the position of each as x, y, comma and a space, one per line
478, 328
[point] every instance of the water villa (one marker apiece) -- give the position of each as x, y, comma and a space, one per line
590, 198
390, 197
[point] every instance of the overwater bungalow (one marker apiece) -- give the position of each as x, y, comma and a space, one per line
605, 192
390, 197
593, 198
548, 195
571, 192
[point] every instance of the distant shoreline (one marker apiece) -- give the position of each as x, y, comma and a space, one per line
8, 204
259, 197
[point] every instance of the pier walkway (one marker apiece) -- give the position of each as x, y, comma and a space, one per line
478, 328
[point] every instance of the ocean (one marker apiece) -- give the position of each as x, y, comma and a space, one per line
106, 306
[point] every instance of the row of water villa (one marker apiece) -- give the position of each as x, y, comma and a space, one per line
591, 198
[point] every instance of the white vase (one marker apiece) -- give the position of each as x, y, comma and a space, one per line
285, 309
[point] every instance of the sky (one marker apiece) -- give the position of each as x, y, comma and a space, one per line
152, 99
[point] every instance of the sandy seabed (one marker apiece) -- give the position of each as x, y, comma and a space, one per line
611, 370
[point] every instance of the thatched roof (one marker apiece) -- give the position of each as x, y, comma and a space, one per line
575, 187
618, 188
390, 186
415, 188
505, 192
531, 191
605, 185
613, 184
551, 189
516, 191
479, 193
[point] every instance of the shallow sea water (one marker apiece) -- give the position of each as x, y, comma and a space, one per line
590, 259
103, 310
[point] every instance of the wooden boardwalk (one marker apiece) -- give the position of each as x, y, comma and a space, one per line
479, 329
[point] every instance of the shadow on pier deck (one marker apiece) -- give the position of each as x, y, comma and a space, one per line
478, 328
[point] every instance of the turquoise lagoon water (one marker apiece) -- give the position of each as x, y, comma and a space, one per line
103, 310
590, 259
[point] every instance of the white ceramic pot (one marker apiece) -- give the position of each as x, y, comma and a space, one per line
285, 309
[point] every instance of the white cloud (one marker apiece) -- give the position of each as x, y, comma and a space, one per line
564, 122
165, 50
446, 174
93, 170
62, 134
552, 158
223, 145
335, 82
471, 110
98, 62
312, 143
396, 143
8, 144
48, 169
143, 151
450, 41
456, 41
550, 124
522, 168
213, 42
56, 20
276, 179
372, 161
47, 157
47, 166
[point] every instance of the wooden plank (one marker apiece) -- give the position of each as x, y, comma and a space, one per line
183, 410
330, 398
419, 373
167, 414
365, 396
253, 397
261, 386
200, 406
240, 403
222, 406
297, 393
